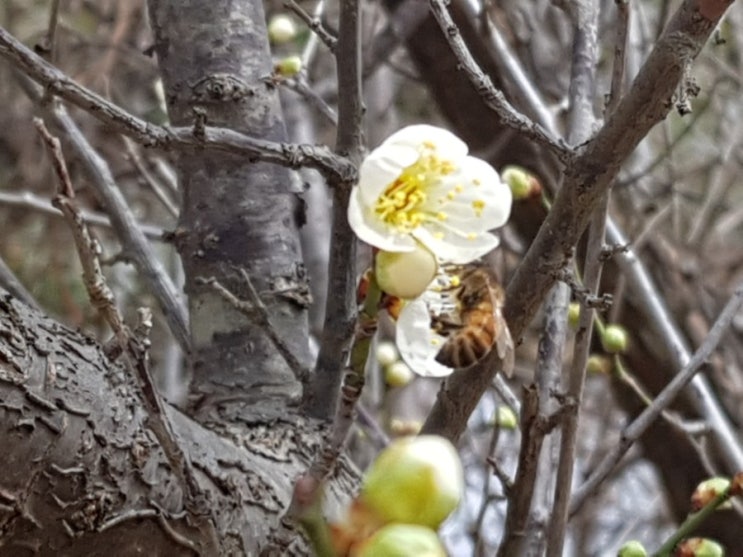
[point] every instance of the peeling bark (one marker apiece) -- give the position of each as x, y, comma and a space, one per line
83, 474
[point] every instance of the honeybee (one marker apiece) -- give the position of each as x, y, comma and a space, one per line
479, 325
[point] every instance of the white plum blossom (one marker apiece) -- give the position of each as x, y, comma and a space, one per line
420, 185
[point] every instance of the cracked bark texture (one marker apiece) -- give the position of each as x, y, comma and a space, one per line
83, 475
214, 61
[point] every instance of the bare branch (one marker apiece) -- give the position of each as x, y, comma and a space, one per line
134, 242
31, 201
633, 431
151, 135
494, 98
341, 301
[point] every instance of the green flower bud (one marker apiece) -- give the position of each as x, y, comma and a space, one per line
707, 491
699, 547
415, 480
405, 274
598, 364
387, 353
506, 418
281, 29
573, 314
402, 540
615, 339
406, 428
398, 374
632, 548
521, 182
289, 66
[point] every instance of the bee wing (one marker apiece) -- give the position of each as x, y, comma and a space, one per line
505, 346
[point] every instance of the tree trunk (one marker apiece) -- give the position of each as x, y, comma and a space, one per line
236, 214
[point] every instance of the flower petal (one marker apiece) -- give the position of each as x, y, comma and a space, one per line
417, 343
454, 248
372, 231
446, 143
382, 167
481, 202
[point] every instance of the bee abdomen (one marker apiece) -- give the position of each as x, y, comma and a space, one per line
466, 347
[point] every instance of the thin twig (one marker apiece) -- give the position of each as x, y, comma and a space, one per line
134, 350
494, 98
256, 311
10, 282
633, 431
134, 242
314, 24
341, 303
581, 121
48, 42
32, 201
149, 179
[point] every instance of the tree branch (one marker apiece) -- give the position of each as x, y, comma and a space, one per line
148, 134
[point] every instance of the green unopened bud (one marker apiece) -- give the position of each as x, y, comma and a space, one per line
405, 428
415, 480
506, 418
405, 274
598, 364
707, 491
402, 540
632, 548
699, 547
398, 374
289, 66
521, 182
573, 314
387, 353
281, 29
615, 339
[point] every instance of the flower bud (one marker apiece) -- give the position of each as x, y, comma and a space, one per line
632, 548
598, 364
281, 29
506, 418
615, 339
387, 353
398, 374
699, 547
402, 540
415, 480
573, 314
405, 428
405, 274
522, 183
707, 491
289, 66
